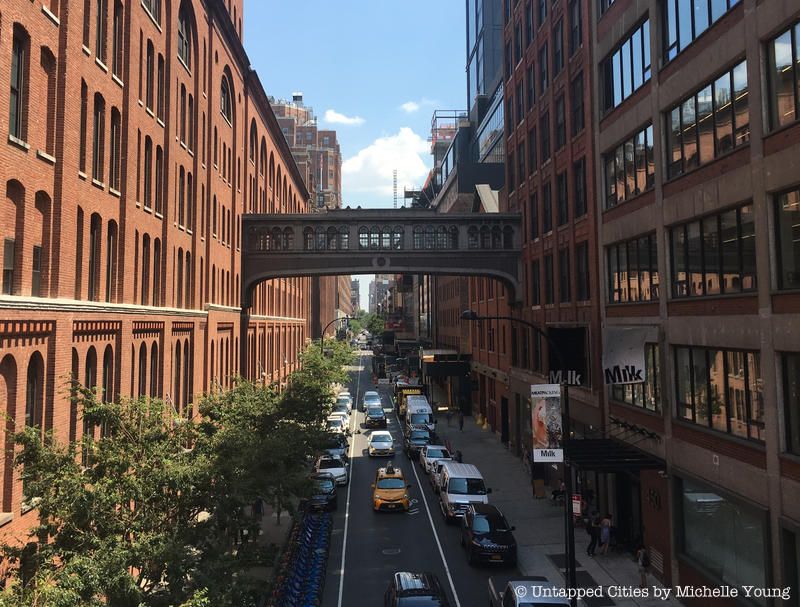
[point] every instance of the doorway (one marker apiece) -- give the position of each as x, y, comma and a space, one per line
628, 522
504, 420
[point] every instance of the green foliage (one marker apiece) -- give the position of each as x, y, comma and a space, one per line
153, 517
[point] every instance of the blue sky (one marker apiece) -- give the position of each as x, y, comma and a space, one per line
373, 70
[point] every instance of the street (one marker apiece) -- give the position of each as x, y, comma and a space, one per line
368, 547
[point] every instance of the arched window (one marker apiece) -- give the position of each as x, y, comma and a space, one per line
108, 375
176, 386
181, 196
184, 38
225, 103
430, 237
453, 237
145, 270
18, 106
288, 239
508, 237
253, 141
485, 237
34, 389
142, 370
441, 237
496, 237
154, 391
374, 237
363, 237
179, 298
344, 238
308, 239
332, 240
277, 239
94, 257
397, 237
418, 237
156, 272
187, 375
386, 237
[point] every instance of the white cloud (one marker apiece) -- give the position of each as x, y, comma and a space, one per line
334, 117
369, 173
410, 107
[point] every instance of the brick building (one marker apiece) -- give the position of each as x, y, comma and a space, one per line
138, 134
697, 148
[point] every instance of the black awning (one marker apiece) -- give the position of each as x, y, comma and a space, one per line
445, 368
609, 455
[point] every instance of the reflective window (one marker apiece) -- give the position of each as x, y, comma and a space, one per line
633, 270
627, 68
714, 255
579, 187
646, 394
558, 47
562, 202
787, 239
791, 400
548, 279
720, 389
576, 101
784, 77
564, 292
582, 271
547, 208
685, 20
630, 168
561, 126
544, 135
711, 122
543, 69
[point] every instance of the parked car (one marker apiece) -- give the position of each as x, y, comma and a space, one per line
375, 418
460, 484
334, 466
371, 399
487, 536
381, 443
415, 439
323, 493
409, 589
436, 473
430, 454
520, 591
341, 413
390, 491
337, 446
344, 398
336, 424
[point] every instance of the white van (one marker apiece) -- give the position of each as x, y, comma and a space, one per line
419, 413
460, 484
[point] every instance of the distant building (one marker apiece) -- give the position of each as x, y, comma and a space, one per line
355, 295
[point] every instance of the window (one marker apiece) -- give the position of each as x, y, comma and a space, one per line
543, 69
18, 103
521, 161
534, 216
517, 43
685, 20
645, 395
542, 12
117, 45
114, 168
561, 126
111, 261
576, 101
536, 287
627, 68
184, 39
547, 205
564, 293
579, 187
154, 8
548, 279
791, 400
633, 270
582, 271
558, 47
544, 133
100, 30
629, 169
226, 106
161, 99
182, 108
94, 257
720, 389
575, 26
507, 61
728, 537
714, 255
784, 74
159, 187
98, 137
693, 137
562, 201
605, 5
520, 103
8, 266
87, 14
528, 24
36, 271
531, 79
84, 121
787, 239
509, 114
148, 172
532, 166
510, 167
150, 69
145, 270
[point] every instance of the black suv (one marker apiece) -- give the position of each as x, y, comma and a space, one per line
486, 535
415, 590
375, 418
415, 439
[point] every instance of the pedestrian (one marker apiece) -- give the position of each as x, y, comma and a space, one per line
457, 456
461, 421
643, 560
605, 533
562, 489
594, 532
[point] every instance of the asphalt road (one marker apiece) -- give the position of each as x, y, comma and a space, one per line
368, 547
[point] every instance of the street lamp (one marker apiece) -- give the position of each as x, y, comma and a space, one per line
569, 540
322, 335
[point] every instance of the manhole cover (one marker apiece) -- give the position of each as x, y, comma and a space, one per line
390, 551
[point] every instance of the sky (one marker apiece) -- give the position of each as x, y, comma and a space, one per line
373, 70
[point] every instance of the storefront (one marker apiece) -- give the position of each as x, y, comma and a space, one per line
446, 373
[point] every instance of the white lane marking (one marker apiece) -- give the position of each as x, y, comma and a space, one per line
435, 535
347, 507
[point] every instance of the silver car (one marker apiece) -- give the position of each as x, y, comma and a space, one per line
334, 466
371, 399
430, 454
381, 443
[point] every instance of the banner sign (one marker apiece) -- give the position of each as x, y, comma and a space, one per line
576, 504
546, 422
623, 355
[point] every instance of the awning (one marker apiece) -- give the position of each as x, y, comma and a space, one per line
445, 368
609, 455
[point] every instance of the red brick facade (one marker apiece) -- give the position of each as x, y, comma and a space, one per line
134, 137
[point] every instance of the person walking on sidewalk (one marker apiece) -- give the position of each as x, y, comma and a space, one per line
605, 533
594, 532
461, 420
643, 560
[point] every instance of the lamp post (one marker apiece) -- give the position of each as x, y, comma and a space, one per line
569, 528
322, 335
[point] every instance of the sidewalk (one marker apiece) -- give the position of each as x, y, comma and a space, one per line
540, 524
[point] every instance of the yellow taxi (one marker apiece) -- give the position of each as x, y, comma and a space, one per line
390, 491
